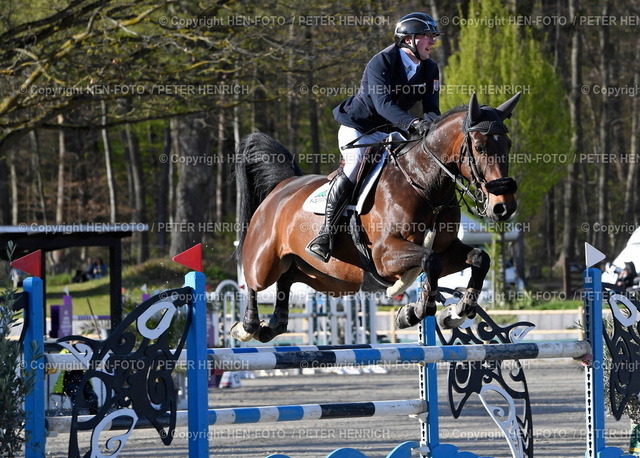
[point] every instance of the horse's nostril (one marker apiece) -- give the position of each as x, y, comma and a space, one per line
500, 209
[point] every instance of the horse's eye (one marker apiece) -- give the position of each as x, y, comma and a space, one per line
481, 149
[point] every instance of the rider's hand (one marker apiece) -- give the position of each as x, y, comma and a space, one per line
431, 116
419, 127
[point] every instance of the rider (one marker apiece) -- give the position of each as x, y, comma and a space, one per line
394, 80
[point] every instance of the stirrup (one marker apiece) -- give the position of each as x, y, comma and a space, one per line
317, 241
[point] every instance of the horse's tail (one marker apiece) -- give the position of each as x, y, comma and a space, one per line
261, 162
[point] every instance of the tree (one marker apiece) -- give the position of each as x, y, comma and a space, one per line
194, 176
540, 143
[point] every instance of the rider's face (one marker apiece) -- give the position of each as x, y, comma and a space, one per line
424, 43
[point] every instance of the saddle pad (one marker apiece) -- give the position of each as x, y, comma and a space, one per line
317, 200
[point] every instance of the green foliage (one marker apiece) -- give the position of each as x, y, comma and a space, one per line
496, 62
160, 273
15, 382
537, 300
59, 279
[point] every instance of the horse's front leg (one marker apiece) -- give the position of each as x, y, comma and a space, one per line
457, 257
403, 256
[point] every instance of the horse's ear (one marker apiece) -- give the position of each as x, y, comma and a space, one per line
504, 110
474, 110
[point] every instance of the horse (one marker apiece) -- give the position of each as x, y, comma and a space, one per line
419, 187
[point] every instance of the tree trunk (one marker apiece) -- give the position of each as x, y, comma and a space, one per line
108, 160
164, 192
62, 153
37, 172
603, 133
550, 236
631, 182
5, 196
261, 118
219, 192
194, 177
445, 48
13, 180
175, 150
567, 253
235, 192
140, 239
313, 110
292, 98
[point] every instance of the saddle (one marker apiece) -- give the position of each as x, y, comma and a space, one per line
370, 169
374, 161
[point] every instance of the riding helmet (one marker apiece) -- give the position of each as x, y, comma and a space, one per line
414, 24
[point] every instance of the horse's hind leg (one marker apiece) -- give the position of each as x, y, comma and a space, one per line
244, 331
280, 319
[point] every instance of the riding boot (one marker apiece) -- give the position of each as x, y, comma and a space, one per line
338, 198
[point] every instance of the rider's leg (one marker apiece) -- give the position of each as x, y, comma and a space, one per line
352, 156
338, 198
341, 188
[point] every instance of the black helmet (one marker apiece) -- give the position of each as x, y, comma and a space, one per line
411, 25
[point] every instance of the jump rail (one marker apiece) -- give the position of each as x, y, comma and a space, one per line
383, 354
274, 414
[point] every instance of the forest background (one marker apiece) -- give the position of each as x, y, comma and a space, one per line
117, 111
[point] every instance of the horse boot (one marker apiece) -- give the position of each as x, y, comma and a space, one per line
413, 313
338, 198
469, 302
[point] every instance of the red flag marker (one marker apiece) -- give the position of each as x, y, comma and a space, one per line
31, 263
192, 258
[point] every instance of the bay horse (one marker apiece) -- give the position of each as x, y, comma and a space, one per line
416, 190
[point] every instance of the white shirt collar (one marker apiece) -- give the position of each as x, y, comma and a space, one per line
409, 66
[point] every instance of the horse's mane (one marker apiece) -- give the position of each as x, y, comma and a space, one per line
454, 110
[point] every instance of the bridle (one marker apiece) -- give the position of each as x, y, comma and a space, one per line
499, 186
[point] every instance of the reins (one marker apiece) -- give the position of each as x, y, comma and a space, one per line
461, 183
352, 143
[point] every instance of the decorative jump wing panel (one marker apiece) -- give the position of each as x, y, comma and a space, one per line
135, 372
623, 343
501, 386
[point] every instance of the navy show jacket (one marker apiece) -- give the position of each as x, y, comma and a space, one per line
385, 95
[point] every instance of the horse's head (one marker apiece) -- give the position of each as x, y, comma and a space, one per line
484, 158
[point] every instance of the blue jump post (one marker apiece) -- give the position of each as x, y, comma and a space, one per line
34, 363
197, 363
596, 446
594, 374
430, 439
35, 432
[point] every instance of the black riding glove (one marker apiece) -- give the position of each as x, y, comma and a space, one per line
419, 127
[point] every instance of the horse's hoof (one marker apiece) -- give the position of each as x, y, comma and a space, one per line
406, 317
448, 319
470, 311
238, 332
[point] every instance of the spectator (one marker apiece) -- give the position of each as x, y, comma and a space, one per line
84, 275
99, 268
627, 276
